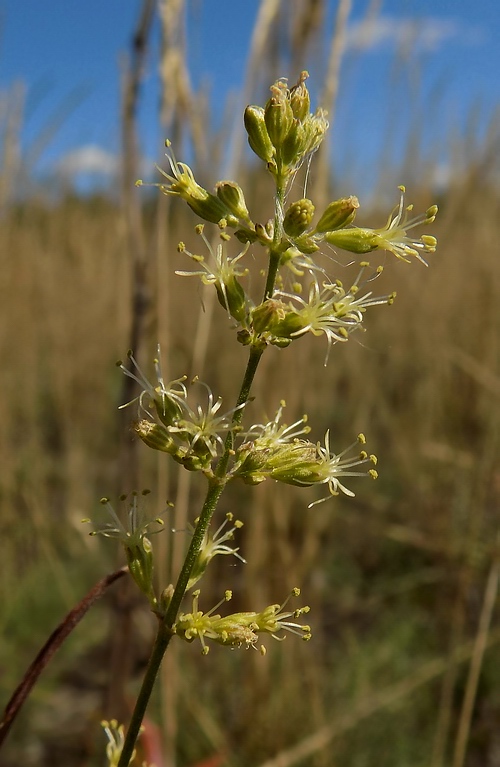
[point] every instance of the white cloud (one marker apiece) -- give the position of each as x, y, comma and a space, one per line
424, 34
89, 159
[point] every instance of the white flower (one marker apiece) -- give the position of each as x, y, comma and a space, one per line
168, 399
331, 466
394, 236
202, 427
221, 273
137, 524
274, 434
333, 310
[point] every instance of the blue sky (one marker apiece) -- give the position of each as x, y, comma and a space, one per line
67, 54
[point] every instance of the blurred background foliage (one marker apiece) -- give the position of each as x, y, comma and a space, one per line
403, 667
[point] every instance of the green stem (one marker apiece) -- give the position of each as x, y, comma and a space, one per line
274, 262
275, 251
164, 635
161, 643
216, 486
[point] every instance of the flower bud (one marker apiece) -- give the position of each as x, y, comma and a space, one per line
267, 314
156, 436
231, 195
258, 137
299, 98
210, 208
167, 408
165, 599
140, 565
338, 214
298, 217
244, 337
355, 240
232, 297
278, 114
292, 148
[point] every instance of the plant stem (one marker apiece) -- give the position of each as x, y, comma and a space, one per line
275, 252
164, 634
52, 644
216, 486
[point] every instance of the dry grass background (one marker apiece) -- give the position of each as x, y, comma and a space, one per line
403, 668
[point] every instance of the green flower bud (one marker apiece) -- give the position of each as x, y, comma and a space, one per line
233, 298
167, 408
231, 195
258, 137
298, 217
210, 208
140, 565
165, 599
267, 314
355, 239
338, 214
278, 114
299, 98
292, 148
156, 436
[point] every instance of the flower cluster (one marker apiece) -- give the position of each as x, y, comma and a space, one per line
330, 309
299, 298
277, 452
191, 435
285, 133
240, 629
322, 305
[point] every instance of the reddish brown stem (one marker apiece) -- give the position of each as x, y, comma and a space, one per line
52, 644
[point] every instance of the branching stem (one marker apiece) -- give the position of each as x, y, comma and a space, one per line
215, 489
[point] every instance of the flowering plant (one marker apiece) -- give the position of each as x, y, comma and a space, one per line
299, 297
185, 420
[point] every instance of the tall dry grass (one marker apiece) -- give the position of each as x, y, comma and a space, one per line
401, 581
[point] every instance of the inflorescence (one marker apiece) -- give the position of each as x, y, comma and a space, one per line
300, 298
